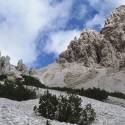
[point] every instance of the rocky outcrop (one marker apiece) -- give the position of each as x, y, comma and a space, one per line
105, 48
117, 17
114, 32
22, 67
86, 49
5, 66
12, 72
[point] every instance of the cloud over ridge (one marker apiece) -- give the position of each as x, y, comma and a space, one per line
22, 20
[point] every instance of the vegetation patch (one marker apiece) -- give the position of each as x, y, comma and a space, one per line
3, 77
18, 92
65, 109
94, 93
32, 81
117, 94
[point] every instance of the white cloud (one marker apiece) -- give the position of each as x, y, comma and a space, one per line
79, 12
97, 20
21, 21
60, 40
118, 2
104, 8
82, 11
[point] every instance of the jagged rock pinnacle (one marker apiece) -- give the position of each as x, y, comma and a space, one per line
84, 49
12, 72
105, 48
117, 16
22, 67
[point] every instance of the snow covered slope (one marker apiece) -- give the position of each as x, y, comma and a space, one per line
21, 113
116, 101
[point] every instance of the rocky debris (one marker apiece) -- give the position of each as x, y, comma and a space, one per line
105, 48
22, 67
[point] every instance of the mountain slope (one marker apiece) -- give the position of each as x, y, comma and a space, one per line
95, 59
76, 75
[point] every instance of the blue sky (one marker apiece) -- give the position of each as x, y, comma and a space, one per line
37, 31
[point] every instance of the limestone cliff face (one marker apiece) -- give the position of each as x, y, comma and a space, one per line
22, 67
5, 65
86, 49
117, 17
114, 32
6, 68
105, 48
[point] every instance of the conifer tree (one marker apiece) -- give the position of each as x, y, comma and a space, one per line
65, 109
47, 122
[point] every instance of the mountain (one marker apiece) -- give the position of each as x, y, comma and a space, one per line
95, 59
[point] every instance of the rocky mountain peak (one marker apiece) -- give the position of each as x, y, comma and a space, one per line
84, 49
22, 67
105, 48
114, 29
117, 16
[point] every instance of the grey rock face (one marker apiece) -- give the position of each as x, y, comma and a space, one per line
5, 65
22, 67
105, 48
10, 70
117, 17
114, 32
6, 68
85, 49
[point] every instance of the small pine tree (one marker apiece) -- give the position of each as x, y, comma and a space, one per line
47, 122
48, 105
64, 109
35, 109
69, 108
88, 115
76, 109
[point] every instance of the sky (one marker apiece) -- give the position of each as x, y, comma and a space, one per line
37, 31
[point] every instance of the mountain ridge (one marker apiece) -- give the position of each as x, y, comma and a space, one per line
105, 48
95, 59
